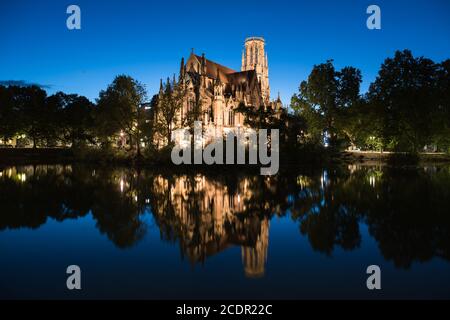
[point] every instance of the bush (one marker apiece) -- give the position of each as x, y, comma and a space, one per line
158, 156
101, 155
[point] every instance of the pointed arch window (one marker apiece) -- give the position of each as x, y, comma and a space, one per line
190, 105
231, 118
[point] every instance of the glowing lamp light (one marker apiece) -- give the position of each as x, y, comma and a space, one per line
372, 181
121, 185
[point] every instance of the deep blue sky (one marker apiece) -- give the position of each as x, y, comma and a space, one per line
146, 39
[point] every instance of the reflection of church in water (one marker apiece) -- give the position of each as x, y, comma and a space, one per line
210, 220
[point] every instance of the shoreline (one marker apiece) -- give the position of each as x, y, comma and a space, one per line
30, 156
384, 157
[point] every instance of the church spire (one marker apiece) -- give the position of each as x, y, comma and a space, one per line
218, 90
218, 76
168, 87
203, 71
203, 64
182, 68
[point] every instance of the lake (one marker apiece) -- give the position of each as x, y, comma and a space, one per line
304, 234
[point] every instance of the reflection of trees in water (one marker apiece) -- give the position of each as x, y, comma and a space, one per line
118, 207
405, 210
29, 195
324, 214
411, 219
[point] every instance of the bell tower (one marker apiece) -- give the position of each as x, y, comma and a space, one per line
254, 57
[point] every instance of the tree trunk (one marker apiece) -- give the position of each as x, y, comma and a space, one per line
73, 139
168, 136
138, 147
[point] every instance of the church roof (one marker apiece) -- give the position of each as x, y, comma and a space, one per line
241, 77
212, 67
234, 80
227, 75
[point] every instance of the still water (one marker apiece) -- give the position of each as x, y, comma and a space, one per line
144, 234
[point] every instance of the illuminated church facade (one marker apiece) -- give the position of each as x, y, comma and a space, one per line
218, 90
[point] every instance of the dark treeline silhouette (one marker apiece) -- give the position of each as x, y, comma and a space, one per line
406, 109
405, 210
29, 117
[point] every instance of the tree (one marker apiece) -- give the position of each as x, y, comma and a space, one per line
441, 117
323, 99
148, 125
32, 112
77, 119
28, 112
314, 119
292, 129
170, 102
404, 97
52, 122
262, 117
361, 125
9, 124
349, 104
120, 110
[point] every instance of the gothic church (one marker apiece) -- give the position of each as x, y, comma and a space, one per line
219, 90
